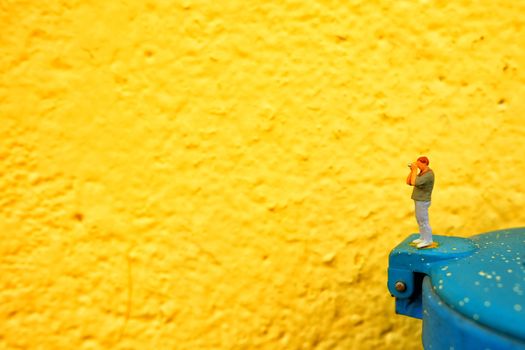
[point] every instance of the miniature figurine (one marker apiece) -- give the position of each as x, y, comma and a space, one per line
423, 185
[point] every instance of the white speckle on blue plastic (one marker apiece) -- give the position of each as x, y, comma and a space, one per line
517, 307
475, 317
517, 289
445, 268
509, 270
486, 303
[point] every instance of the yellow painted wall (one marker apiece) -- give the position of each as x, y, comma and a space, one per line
230, 174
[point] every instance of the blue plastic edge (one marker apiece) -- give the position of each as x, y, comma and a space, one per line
446, 329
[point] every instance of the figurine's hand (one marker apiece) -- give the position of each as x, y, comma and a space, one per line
413, 166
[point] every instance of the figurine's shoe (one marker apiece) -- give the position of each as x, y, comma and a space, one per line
423, 244
417, 241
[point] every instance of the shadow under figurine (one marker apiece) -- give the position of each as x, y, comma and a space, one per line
423, 183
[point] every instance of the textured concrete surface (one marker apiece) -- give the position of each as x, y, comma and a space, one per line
230, 175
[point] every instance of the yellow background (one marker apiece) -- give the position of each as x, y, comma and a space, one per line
230, 174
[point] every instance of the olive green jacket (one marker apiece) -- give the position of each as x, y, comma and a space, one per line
423, 187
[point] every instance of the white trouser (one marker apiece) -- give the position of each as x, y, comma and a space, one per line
423, 221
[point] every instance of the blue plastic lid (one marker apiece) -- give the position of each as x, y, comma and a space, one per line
489, 285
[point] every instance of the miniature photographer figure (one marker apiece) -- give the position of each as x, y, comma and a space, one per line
423, 184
